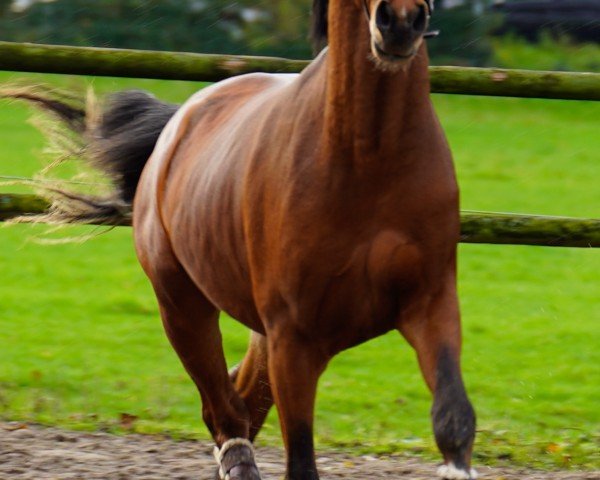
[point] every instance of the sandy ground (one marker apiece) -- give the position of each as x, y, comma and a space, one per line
35, 453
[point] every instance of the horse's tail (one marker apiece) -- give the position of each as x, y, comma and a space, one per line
115, 140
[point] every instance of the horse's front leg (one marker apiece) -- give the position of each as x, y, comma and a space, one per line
437, 341
295, 364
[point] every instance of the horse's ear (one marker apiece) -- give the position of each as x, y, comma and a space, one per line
319, 24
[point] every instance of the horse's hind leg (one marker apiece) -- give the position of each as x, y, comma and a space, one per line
251, 380
437, 340
191, 323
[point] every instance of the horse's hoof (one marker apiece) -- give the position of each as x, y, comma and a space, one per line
239, 473
244, 472
451, 472
236, 461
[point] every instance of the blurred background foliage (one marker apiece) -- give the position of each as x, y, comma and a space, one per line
547, 34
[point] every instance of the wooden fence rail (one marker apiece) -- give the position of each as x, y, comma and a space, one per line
25, 57
475, 227
492, 228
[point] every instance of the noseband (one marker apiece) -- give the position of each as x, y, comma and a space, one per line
429, 5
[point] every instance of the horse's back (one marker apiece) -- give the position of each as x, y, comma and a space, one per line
210, 112
198, 163
203, 122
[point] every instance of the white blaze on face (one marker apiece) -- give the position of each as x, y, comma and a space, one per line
375, 33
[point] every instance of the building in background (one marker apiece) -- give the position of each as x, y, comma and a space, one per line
579, 19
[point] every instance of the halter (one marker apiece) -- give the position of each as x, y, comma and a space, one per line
428, 3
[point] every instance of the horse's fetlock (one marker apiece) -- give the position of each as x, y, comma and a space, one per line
301, 459
452, 414
454, 425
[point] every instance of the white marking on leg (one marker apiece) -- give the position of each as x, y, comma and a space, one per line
220, 454
450, 472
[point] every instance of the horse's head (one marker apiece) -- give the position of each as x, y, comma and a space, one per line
397, 29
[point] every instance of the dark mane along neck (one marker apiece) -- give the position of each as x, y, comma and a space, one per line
369, 111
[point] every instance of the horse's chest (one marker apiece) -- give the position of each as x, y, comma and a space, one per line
350, 293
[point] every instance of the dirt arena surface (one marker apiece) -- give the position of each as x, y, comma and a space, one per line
35, 453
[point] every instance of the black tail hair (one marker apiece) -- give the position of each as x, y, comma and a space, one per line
117, 141
126, 135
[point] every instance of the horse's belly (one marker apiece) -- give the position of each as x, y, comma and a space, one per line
217, 265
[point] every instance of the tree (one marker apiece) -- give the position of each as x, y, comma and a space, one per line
464, 37
146, 24
261, 27
4, 6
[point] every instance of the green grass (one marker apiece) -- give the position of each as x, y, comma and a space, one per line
546, 54
81, 341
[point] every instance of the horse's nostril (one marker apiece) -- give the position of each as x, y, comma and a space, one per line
384, 16
420, 22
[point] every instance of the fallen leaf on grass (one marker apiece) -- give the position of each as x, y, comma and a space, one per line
18, 426
553, 448
126, 421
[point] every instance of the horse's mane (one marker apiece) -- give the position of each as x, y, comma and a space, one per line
319, 26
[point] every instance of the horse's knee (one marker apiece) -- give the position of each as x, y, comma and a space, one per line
452, 414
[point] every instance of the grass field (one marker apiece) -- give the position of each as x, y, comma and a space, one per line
81, 342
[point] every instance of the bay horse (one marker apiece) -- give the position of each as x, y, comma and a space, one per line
320, 210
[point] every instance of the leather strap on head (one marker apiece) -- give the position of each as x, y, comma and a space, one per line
430, 8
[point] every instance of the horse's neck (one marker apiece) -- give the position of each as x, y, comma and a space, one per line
369, 113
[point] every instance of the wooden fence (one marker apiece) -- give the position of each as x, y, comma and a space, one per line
110, 62
477, 227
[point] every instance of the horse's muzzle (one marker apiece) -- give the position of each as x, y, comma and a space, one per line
397, 35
